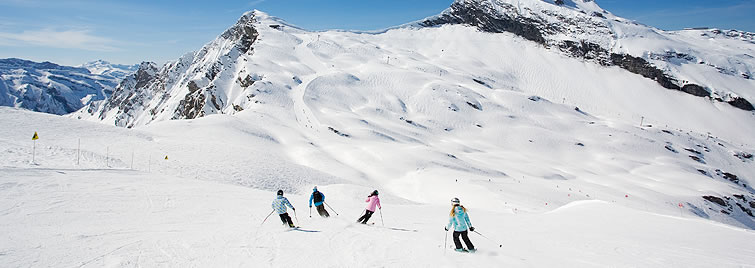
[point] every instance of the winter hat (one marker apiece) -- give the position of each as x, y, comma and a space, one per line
375, 192
280, 192
455, 201
315, 189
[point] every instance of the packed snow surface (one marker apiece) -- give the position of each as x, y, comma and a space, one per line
120, 202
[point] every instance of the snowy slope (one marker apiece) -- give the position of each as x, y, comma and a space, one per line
708, 63
51, 88
106, 211
411, 107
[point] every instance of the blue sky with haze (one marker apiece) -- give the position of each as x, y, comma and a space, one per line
72, 32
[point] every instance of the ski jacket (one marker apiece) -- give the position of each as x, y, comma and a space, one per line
460, 221
373, 201
280, 203
317, 202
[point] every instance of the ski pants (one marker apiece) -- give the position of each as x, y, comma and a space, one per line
463, 236
365, 217
321, 210
286, 219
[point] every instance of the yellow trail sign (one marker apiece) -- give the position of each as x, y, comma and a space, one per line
166, 157
35, 137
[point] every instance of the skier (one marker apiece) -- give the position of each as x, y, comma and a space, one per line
319, 199
460, 220
373, 201
279, 205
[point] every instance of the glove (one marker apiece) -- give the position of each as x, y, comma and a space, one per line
471, 229
446, 228
310, 206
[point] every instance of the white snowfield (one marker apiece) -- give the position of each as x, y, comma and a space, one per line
545, 151
183, 212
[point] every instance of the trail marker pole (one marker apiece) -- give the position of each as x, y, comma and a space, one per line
107, 157
132, 159
642, 121
34, 147
78, 153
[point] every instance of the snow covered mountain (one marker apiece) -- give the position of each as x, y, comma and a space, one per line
116, 72
678, 60
51, 88
475, 70
566, 131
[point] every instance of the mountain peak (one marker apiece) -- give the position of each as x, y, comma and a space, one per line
243, 32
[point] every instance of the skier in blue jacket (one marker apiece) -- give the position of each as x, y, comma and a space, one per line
279, 205
460, 221
319, 199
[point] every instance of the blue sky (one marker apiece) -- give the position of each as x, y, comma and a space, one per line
72, 32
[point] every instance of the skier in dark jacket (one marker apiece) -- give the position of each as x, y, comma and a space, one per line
319, 199
279, 205
459, 219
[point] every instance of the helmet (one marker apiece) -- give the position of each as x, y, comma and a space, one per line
455, 201
315, 189
375, 192
280, 192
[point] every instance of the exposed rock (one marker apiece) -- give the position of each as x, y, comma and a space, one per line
486, 18
598, 14
716, 200
731, 177
743, 156
642, 67
246, 82
339, 132
695, 90
475, 105
745, 209
243, 32
692, 151
741, 103
698, 159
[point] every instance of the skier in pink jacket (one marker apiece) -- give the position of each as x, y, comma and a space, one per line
372, 202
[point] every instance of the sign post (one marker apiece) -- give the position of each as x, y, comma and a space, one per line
34, 147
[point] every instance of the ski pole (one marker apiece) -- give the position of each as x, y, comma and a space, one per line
491, 240
381, 216
297, 219
445, 242
310, 212
331, 208
268, 215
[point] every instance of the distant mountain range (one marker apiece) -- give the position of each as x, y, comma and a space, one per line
51, 88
